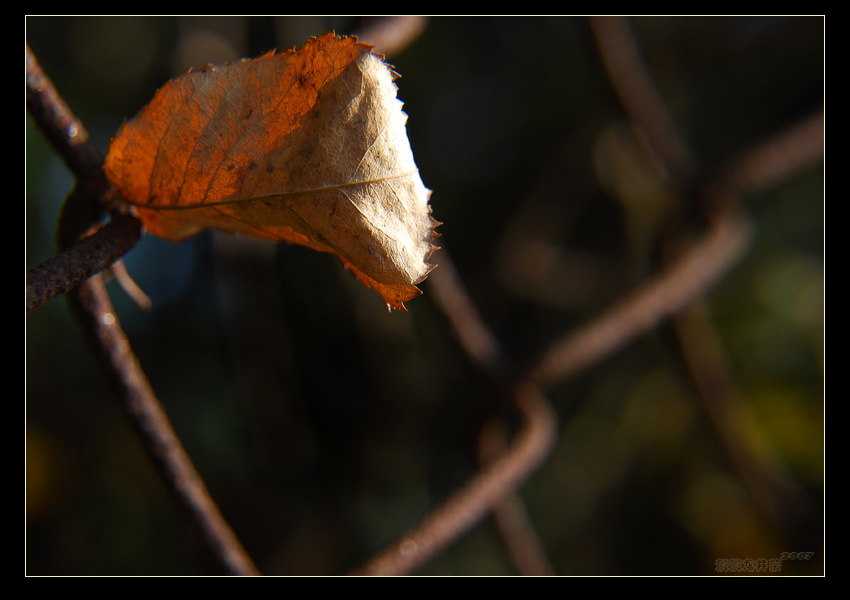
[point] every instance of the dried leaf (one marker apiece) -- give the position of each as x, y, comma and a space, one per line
307, 147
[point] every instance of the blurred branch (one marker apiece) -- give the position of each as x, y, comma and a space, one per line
729, 230
93, 310
775, 160
470, 504
724, 244
476, 339
510, 515
772, 490
721, 247
639, 95
494, 486
776, 494
391, 35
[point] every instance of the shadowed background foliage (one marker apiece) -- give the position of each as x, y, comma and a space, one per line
324, 426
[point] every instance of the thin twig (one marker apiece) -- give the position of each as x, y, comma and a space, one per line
130, 287
93, 310
87, 257
58, 123
82, 215
483, 348
476, 339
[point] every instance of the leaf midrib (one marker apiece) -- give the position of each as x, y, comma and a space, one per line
338, 186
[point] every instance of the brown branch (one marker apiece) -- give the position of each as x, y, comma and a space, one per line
772, 489
495, 484
58, 123
724, 244
82, 260
93, 310
520, 537
85, 248
729, 231
639, 95
702, 266
778, 158
480, 344
510, 516
472, 503
476, 339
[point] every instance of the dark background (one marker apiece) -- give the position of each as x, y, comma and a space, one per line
325, 426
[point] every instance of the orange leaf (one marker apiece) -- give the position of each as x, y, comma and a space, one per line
307, 147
